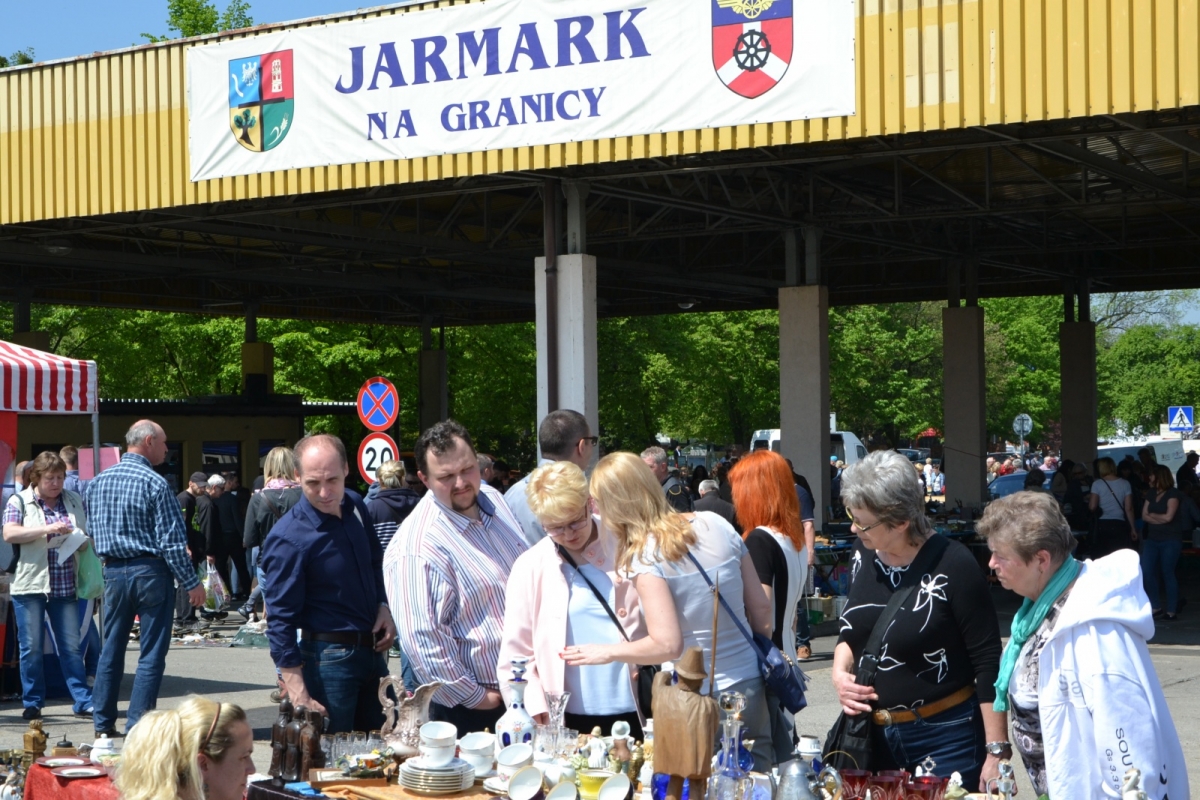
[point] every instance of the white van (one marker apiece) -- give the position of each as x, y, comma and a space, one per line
1168, 452
843, 444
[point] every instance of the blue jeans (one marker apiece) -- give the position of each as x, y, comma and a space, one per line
345, 680
257, 592
142, 588
954, 739
31, 611
1158, 560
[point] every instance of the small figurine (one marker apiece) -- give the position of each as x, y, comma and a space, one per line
597, 750
311, 756
35, 743
291, 758
279, 740
12, 788
681, 708
637, 760
621, 756
1131, 785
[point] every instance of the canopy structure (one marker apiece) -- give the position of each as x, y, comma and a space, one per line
35, 382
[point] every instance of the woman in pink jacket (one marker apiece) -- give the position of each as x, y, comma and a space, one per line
553, 601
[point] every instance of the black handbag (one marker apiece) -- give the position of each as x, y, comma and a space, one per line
645, 672
779, 672
11, 567
848, 743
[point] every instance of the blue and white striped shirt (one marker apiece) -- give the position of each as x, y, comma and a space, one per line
133, 512
446, 576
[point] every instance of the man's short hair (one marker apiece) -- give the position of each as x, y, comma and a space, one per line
320, 440
708, 486
70, 456
441, 438
140, 432
655, 454
560, 431
215, 480
484, 460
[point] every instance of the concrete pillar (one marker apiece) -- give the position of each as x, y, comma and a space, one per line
258, 368
577, 192
1077, 370
575, 308
804, 387
433, 393
963, 401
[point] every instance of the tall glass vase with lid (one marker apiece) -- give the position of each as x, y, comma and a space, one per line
516, 726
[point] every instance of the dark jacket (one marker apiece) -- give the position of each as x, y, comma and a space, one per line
713, 502
208, 523
265, 509
388, 508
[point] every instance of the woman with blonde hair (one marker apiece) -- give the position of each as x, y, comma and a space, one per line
663, 552
202, 750
267, 506
572, 568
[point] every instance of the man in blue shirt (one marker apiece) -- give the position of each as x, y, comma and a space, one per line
138, 529
72, 483
323, 575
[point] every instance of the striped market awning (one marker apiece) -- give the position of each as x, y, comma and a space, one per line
34, 382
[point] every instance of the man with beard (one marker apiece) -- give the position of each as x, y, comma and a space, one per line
446, 571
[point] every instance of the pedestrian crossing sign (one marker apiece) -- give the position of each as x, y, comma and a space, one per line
1180, 418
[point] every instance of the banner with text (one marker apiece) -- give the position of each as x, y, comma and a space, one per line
512, 73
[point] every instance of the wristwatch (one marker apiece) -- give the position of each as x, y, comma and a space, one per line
999, 749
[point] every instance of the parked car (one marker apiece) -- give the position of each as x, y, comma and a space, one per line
1005, 485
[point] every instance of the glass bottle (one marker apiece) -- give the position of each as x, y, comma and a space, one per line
730, 781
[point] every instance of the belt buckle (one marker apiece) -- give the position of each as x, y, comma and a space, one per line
886, 716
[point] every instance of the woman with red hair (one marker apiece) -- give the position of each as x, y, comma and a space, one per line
769, 511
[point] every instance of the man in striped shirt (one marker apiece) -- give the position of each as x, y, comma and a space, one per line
446, 571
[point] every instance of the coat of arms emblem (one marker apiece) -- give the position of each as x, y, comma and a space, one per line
262, 102
752, 43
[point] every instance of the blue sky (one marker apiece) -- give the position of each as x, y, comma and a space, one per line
64, 28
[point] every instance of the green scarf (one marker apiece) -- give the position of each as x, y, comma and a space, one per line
1030, 617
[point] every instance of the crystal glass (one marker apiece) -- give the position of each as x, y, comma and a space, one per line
556, 705
341, 746
730, 781
568, 742
375, 742
545, 741
328, 746
358, 743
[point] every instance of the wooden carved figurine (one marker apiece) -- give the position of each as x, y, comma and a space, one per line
279, 739
310, 744
692, 718
35, 743
291, 758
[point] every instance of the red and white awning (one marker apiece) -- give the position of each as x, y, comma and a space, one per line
42, 383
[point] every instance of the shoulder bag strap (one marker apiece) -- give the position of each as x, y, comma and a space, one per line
737, 622
567, 558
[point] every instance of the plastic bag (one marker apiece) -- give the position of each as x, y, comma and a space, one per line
216, 595
89, 573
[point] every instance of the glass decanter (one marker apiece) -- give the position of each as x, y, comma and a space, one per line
731, 781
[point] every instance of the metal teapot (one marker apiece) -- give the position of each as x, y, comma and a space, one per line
1005, 786
797, 781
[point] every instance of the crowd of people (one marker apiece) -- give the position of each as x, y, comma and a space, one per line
592, 578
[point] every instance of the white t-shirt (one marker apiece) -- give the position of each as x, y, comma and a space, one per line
1112, 496
719, 550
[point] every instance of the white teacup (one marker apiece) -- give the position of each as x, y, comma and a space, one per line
513, 758
482, 764
438, 734
436, 756
478, 743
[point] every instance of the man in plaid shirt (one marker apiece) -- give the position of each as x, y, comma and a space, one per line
140, 537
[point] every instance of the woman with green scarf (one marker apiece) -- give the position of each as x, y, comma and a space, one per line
1076, 677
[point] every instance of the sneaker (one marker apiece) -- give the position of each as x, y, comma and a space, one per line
253, 617
86, 713
31, 712
246, 612
804, 653
276, 697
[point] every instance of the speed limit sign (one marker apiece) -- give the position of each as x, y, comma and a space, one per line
377, 449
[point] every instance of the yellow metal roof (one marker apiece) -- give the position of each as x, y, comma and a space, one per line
108, 133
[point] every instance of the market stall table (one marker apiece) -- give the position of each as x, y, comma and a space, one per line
42, 784
353, 790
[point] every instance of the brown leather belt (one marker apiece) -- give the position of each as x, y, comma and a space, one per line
885, 717
352, 638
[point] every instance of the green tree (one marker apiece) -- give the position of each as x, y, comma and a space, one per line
199, 17
1144, 370
17, 59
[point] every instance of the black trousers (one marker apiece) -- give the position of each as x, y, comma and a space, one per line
584, 723
466, 719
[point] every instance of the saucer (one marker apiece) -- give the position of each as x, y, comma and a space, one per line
455, 765
496, 785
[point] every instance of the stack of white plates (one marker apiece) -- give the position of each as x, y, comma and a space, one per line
436, 781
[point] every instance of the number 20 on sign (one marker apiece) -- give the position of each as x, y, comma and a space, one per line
377, 449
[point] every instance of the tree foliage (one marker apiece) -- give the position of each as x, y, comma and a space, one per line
1146, 369
199, 17
17, 59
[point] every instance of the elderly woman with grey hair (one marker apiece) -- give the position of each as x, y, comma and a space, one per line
1076, 677
940, 653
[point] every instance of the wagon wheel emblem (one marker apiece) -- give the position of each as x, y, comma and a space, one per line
752, 50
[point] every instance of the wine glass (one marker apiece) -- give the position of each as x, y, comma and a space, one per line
358, 743
341, 746
556, 706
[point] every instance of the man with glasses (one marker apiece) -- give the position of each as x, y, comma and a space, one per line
563, 436
445, 572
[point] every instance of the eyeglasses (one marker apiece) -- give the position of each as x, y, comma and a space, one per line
573, 527
862, 528
595, 440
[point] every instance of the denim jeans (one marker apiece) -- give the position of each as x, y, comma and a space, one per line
142, 588
31, 612
345, 679
1159, 559
954, 739
257, 592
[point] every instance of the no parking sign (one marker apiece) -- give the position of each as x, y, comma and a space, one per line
378, 404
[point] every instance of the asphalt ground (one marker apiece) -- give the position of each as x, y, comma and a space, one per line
246, 676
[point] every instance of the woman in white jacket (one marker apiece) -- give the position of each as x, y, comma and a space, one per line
1076, 677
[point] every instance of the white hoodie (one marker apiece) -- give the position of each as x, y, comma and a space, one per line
1101, 705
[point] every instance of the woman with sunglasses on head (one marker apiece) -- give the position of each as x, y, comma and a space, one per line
940, 654
565, 591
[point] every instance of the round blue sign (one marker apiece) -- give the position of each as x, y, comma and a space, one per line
378, 404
